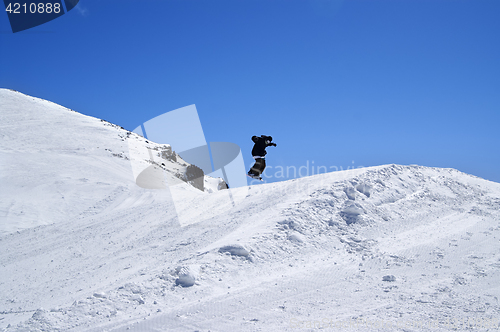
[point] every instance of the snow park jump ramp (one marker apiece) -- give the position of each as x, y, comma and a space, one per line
83, 248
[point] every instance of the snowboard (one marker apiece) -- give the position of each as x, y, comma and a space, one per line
255, 177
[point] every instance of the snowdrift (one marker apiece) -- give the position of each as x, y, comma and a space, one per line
83, 248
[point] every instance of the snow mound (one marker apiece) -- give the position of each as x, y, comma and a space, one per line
389, 278
235, 250
186, 278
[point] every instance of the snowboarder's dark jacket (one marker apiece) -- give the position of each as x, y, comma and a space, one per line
261, 143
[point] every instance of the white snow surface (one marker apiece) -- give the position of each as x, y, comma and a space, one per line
83, 248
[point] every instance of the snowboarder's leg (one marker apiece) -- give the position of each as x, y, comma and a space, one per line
262, 166
258, 167
251, 171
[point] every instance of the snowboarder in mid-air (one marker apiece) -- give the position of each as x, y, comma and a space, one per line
259, 153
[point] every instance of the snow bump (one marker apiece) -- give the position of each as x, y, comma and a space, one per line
389, 278
185, 277
364, 188
296, 237
235, 250
351, 212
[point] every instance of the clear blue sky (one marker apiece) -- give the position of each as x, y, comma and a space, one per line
337, 83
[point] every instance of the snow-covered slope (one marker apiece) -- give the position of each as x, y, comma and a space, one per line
389, 247
57, 164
